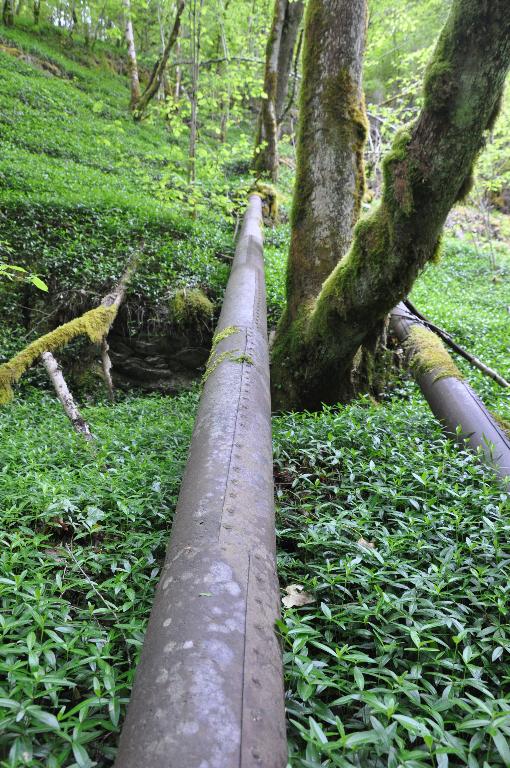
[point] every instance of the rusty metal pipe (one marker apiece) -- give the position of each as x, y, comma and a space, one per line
209, 687
458, 408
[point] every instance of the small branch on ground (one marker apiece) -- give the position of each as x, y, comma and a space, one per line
54, 371
449, 341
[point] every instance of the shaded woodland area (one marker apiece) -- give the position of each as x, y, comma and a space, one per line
377, 137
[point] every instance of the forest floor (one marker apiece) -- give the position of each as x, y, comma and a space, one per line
400, 539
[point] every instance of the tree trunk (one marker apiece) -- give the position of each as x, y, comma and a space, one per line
291, 24
332, 130
266, 150
95, 324
223, 74
159, 69
196, 24
8, 13
178, 73
427, 171
36, 11
56, 376
132, 63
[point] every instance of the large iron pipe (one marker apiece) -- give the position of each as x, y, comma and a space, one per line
208, 691
458, 408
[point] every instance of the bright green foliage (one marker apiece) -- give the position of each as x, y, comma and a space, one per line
401, 539
403, 660
477, 319
83, 537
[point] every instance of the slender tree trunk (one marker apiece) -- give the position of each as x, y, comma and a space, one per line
223, 74
196, 23
159, 69
163, 86
178, 72
8, 13
292, 95
428, 169
290, 30
54, 371
131, 48
36, 8
266, 149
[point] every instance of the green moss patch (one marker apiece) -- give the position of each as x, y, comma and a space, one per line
428, 354
95, 324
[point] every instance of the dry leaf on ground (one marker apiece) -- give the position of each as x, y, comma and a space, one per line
296, 597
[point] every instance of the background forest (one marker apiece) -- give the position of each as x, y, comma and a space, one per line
399, 539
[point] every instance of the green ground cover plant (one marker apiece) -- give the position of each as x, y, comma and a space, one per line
399, 539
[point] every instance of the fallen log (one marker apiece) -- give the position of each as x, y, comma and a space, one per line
452, 401
95, 324
209, 690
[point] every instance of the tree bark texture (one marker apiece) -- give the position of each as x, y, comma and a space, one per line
132, 63
332, 131
266, 150
290, 30
428, 169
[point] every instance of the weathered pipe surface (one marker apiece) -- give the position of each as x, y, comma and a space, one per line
455, 404
209, 688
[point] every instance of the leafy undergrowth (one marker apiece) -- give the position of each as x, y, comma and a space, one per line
400, 538
83, 534
470, 298
403, 658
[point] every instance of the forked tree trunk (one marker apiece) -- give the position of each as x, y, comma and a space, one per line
131, 48
428, 169
159, 68
36, 8
290, 30
266, 149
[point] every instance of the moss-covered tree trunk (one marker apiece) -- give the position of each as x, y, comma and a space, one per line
266, 149
8, 13
332, 131
427, 171
290, 29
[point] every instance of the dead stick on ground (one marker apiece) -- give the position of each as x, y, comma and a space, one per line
54, 371
445, 336
115, 298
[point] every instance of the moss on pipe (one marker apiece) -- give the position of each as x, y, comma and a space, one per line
429, 355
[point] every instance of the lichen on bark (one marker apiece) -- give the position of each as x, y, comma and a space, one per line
429, 167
